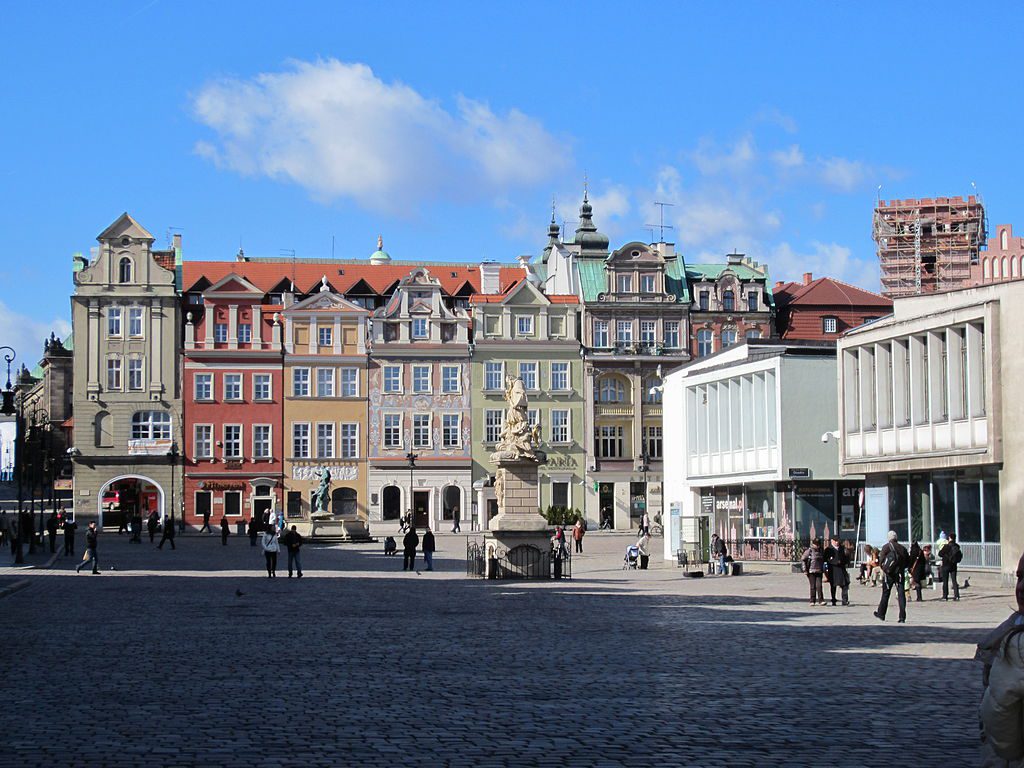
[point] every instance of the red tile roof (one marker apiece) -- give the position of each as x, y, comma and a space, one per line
342, 275
827, 292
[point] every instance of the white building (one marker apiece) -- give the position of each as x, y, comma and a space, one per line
923, 419
744, 455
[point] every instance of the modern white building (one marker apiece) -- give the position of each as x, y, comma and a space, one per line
744, 451
923, 418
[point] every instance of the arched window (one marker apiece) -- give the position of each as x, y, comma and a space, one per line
728, 338
986, 269
151, 425
610, 390
1004, 239
728, 301
451, 498
652, 391
1013, 267
124, 270
1006, 269
343, 501
392, 502
753, 333
104, 431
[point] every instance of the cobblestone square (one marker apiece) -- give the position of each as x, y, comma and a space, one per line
160, 662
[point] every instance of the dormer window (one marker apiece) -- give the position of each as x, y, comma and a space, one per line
704, 299
625, 283
829, 324
728, 301
647, 283
524, 325
324, 336
124, 270
419, 328
126, 241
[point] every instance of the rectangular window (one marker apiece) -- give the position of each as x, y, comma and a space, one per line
232, 441
524, 325
492, 425
609, 445
420, 329
421, 378
528, 373
204, 386
705, 343
114, 321
294, 503
421, 430
560, 495
325, 382
556, 326
751, 302
135, 374
261, 441
232, 386
324, 336
392, 430
492, 325
494, 376
261, 386
392, 379
646, 283
672, 334
652, 442
349, 441
300, 382
625, 283
349, 382
648, 330
600, 333
114, 373
244, 333
559, 426
325, 441
450, 431
728, 338
704, 302
220, 333
232, 503
203, 444
624, 331
135, 321
829, 325
533, 417
560, 377
300, 441
450, 379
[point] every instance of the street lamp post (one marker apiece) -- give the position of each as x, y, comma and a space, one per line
411, 458
9, 408
172, 454
645, 468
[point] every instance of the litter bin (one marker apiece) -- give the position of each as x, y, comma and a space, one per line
737, 568
240, 528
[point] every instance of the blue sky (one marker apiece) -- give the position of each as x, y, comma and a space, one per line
449, 128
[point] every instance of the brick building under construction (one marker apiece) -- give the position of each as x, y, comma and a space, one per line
928, 245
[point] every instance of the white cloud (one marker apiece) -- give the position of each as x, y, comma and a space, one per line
823, 260
791, 157
712, 160
842, 174
337, 130
27, 336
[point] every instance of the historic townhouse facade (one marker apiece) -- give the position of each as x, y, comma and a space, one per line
524, 332
730, 302
420, 404
326, 404
233, 399
127, 398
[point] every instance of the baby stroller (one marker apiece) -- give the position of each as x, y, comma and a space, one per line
632, 557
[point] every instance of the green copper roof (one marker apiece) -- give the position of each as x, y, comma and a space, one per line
594, 279
742, 271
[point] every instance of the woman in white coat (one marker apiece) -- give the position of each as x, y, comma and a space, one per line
271, 544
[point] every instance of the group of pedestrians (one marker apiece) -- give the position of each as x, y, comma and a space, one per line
411, 541
271, 540
900, 567
829, 564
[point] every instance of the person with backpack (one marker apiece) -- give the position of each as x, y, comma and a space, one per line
814, 568
893, 560
950, 555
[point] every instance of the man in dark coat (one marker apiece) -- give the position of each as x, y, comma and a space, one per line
409, 544
893, 559
253, 531
168, 534
51, 530
91, 538
838, 561
225, 531
151, 525
428, 548
950, 555
69, 535
294, 541
206, 522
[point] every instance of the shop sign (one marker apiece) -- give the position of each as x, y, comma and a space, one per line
213, 485
149, 447
62, 485
798, 472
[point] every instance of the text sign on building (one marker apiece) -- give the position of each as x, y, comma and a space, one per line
797, 472
149, 447
311, 472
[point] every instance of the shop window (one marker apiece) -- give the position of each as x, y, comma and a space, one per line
232, 503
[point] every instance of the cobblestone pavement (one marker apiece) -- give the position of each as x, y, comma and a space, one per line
160, 663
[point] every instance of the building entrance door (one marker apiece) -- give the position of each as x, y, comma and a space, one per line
606, 502
704, 538
421, 508
261, 509
391, 502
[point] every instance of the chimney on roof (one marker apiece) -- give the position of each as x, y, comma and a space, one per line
177, 241
490, 277
779, 283
808, 276
734, 258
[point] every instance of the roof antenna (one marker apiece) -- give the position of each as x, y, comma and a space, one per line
662, 226
332, 247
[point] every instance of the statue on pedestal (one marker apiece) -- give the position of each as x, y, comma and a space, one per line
322, 496
517, 436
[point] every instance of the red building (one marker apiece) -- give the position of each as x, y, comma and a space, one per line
232, 387
822, 309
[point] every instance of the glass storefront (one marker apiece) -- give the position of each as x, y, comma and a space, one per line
815, 511
759, 513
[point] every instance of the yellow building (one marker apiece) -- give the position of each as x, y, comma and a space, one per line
325, 411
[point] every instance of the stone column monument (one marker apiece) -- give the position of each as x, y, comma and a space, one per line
518, 522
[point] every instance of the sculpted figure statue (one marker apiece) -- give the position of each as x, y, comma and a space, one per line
322, 494
517, 437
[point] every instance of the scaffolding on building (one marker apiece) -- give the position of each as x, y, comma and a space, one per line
928, 245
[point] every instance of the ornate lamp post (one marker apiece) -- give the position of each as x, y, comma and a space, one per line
9, 408
411, 458
172, 455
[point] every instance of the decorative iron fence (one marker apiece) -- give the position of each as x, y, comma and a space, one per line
490, 560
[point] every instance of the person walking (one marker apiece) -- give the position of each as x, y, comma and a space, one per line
137, 526
225, 530
428, 548
645, 524
719, 552
206, 522
168, 535
950, 555
1002, 677
814, 567
919, 567
51, 530
151, 525
253, 532
893, 559
838, 560
409, 544
456, 528
293, 540
271, 545
70, 526
578, 531
91, 537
